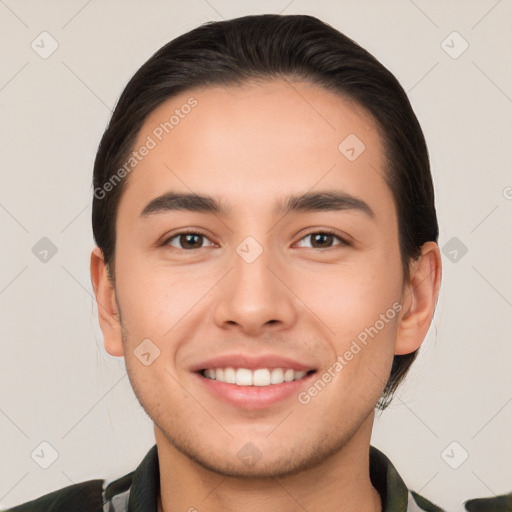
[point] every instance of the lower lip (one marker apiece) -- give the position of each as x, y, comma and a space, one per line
254, 397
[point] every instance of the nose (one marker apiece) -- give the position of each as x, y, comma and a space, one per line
254, 297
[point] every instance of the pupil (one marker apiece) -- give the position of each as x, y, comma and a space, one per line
189, 240
321, 236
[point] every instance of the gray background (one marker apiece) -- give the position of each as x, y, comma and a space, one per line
57, 383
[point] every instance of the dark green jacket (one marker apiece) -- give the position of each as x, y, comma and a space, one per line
501, 503
138, 491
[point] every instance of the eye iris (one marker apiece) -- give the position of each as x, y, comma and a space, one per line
321, 237
187, 240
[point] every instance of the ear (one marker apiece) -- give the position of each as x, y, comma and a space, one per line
419, 298
108, 313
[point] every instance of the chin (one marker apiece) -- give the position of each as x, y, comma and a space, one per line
256, 460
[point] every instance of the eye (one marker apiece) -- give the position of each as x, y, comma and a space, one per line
323, 239
187, 240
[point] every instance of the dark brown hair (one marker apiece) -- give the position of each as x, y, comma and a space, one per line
264, 47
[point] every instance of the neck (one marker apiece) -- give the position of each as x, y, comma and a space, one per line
340, 482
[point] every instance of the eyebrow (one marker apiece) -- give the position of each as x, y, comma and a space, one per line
309, 202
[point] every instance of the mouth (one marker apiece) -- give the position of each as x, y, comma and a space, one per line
254, 388
260, 377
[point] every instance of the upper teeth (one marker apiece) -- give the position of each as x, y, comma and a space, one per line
259, 377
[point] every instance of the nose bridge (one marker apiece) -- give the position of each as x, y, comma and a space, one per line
252, 279
253, 296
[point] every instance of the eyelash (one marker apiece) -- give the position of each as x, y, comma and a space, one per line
343, 241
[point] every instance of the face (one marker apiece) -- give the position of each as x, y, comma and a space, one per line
298, 307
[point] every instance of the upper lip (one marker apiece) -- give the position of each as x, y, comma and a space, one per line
252, 362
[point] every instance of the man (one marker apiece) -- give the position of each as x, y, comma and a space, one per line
267, 265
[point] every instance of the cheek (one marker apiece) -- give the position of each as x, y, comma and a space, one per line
361, 311
151, 307
353, 298
157, 300
359, 304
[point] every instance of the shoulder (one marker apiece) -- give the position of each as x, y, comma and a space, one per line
502, 503
97, 495
395, 495
82, 497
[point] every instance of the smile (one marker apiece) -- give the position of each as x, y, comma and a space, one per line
257, 377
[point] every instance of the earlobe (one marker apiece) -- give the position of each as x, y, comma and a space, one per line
419, 299
108, 313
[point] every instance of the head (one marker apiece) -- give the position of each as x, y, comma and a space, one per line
241, 115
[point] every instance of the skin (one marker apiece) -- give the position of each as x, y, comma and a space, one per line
250, 146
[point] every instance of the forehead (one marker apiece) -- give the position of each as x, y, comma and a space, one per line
249, 143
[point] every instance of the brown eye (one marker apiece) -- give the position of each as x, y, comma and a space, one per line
187, 241
323, 240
